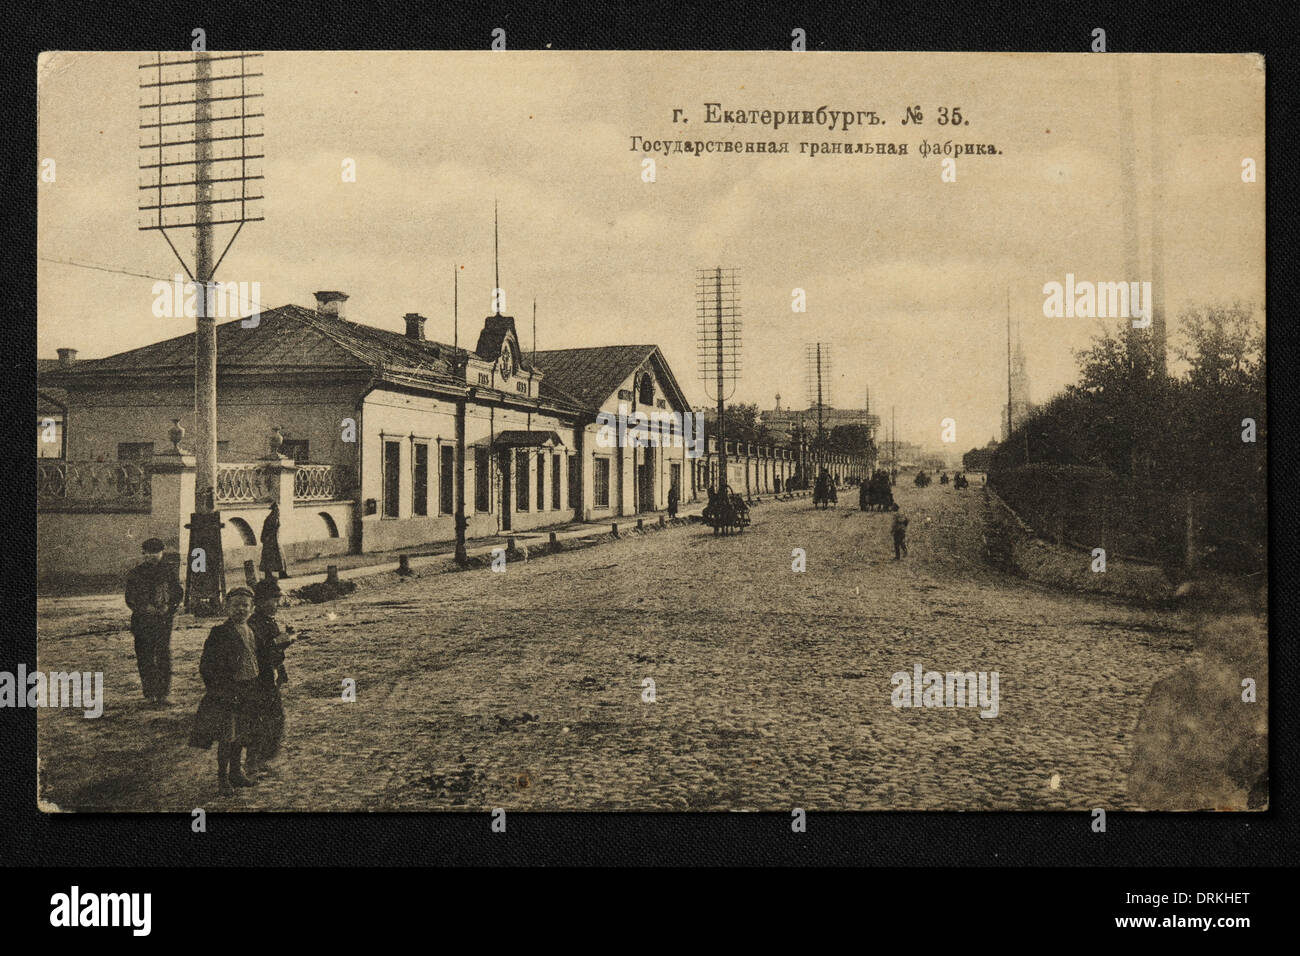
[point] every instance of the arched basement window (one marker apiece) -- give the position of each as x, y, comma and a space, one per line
246, 535
331, 528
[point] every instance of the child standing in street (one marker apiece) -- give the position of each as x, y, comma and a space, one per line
900, 535
271, 645
228, 713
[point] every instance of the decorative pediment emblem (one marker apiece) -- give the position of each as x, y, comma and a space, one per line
507, 360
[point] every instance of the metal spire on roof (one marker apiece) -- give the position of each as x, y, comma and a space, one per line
496, 257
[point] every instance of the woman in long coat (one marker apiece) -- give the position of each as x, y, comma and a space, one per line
273, 558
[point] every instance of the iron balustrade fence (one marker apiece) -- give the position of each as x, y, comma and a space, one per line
251, 482
243, 483
111, 485
322, 482
126, 486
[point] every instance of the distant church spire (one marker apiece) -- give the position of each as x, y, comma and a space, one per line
1018, 384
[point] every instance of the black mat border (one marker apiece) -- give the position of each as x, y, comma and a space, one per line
30, 837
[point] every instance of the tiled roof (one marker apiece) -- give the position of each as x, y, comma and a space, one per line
293, 338
589, 376
519, 438
289, 337
49, 399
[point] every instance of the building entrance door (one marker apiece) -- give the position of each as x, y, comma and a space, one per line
645, 484
503, 465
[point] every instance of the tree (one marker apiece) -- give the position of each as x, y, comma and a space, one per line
852, 440
1182, 445
1125, 402
743, 424
1223, 347
1224, 384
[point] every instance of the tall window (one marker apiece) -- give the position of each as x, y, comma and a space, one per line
447, 480
575, 483
600, 482
521, 480
482, 480
392, 477
555, 482
541, 482
420, 489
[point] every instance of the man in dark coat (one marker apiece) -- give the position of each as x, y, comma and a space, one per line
899, 530
153, 592
273, 558
673, 497
271, 645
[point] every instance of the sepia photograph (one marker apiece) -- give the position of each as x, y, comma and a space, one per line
650, 431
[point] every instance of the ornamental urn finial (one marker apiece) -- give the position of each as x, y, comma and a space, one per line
176, 433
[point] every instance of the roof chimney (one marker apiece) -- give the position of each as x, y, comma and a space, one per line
332, 303
415, 326
67, 357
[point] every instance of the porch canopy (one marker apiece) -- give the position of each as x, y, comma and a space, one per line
518, 438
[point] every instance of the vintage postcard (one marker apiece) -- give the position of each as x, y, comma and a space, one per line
650, 432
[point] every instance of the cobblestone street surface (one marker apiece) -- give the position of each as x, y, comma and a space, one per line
523, 689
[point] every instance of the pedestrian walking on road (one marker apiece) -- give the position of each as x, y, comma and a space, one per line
673, 497
153, 593
899, 530
272, 641
228, 713
273, 558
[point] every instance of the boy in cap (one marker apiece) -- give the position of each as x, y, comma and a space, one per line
153, 592
271, 644
228, 713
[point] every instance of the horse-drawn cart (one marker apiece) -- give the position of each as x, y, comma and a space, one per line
824, 492
726, 514
876, 495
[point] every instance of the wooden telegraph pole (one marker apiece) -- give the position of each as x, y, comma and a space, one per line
198, 189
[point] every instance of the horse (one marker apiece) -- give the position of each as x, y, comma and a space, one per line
824, 493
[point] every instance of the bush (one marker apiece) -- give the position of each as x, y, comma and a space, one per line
1094, 508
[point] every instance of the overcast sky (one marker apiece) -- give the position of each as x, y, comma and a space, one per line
906, 276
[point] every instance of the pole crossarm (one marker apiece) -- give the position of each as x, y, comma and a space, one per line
201, 186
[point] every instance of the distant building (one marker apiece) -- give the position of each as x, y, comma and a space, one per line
785, 423
784, 460
904, 454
